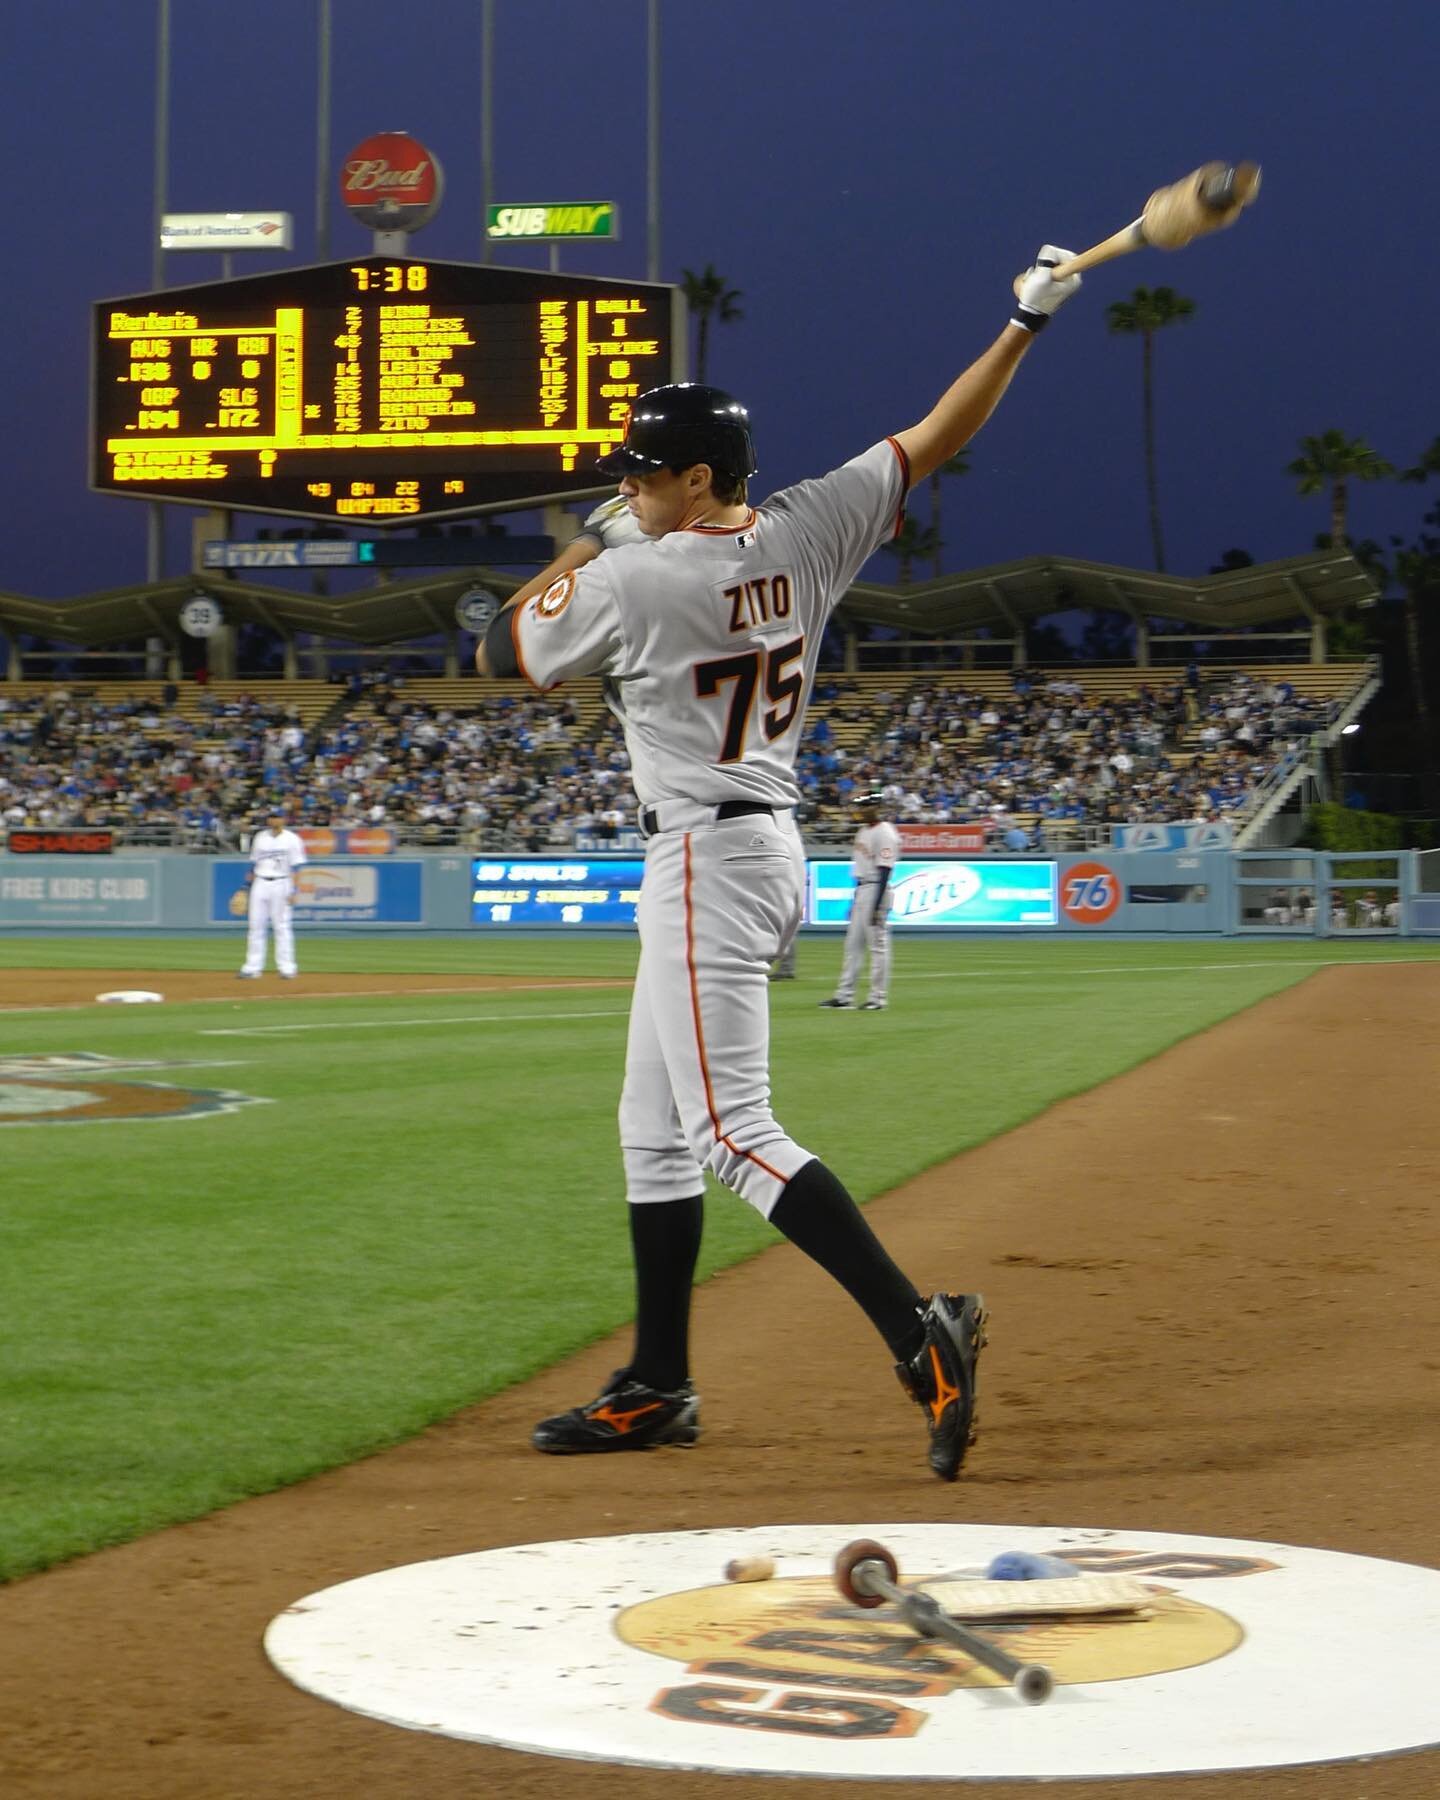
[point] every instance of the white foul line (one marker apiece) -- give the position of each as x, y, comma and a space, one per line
588, 982
614, 1012
993, 974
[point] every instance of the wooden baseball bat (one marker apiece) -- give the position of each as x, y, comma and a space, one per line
1207, 199
866, 1573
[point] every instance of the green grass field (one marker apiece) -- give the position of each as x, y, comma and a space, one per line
199, 1310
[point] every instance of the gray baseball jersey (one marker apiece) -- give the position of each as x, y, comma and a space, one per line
740, 610
876, 847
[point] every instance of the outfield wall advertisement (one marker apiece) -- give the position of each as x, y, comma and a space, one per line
353, 892
951, 894
79, 890
1139, 893
582, 893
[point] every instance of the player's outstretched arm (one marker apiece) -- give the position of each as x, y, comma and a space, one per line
609, 526
579, 551
969, 401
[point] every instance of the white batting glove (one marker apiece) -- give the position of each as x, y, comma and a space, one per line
612, 523
1038, 293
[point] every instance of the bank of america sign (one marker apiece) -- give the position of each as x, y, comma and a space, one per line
227, 231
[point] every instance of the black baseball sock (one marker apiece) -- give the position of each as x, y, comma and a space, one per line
819, 1217
665, 1237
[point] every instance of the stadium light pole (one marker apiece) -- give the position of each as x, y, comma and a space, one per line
652, 153
155, 522
322, 132
487, 133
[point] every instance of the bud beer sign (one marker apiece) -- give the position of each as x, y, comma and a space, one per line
391, 182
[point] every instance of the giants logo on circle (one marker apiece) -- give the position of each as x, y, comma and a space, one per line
556, 597
391, 182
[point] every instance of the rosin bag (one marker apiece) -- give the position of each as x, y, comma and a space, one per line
1027, 1599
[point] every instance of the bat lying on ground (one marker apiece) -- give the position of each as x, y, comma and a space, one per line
866, 1574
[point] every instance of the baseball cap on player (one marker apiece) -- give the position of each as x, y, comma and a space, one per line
677, 426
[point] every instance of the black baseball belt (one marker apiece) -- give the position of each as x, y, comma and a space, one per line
649, 819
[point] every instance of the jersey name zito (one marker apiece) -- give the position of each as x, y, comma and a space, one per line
709, 637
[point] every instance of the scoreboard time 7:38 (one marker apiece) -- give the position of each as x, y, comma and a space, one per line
375, 392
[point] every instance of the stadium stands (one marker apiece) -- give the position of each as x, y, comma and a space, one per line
453, 762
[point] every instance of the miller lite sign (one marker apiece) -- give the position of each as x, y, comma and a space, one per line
391, 182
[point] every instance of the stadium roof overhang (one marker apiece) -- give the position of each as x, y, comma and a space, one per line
1006, 596
1001, 598
392, 612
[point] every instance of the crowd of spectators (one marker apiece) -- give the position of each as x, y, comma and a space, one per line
89, 757
1048, 752
522, 773
529, 773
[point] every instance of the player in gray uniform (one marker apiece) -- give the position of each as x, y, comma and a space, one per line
708, 636
876, 852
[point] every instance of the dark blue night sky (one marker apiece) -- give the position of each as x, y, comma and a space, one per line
870, 179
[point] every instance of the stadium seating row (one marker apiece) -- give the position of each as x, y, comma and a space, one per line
452, 761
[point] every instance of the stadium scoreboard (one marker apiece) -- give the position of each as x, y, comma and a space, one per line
374, 392
530, 891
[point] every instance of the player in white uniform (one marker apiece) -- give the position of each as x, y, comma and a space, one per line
708, 637
873, 857
275, 854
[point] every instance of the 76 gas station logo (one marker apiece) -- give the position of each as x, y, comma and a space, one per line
1090, 892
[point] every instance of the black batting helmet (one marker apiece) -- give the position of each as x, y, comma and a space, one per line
677, 426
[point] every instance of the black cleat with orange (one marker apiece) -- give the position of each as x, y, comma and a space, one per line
941, 1378
627, 1416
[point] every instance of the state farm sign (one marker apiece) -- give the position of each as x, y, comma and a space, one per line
959, 839
391, 182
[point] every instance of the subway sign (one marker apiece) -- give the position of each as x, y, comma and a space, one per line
582, 219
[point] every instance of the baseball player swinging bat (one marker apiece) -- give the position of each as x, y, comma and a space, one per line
1207, 199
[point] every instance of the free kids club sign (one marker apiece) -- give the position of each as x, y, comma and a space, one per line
949, 894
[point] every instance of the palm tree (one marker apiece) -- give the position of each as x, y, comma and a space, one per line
1332, 460
1417, 570
958, 464
1429, 464
1147, 311
708, 298
1414, 568
909, 543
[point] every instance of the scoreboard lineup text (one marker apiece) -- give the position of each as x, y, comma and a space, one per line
374, 392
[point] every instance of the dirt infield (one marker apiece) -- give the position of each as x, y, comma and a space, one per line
1213, 1285
29, 990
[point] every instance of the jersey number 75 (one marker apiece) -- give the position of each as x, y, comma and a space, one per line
782, 689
